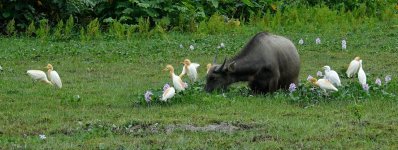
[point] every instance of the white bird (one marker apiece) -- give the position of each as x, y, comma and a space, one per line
361, 74
324, 84
168, 93
353, 67
53, 76
177, 82
190, 69
208, 66
1, 68
38, 75
332, 76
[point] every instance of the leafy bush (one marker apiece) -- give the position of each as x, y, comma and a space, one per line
69, 27
185, 15
43, 30
93, 29
58, 30
31, 29
11, 28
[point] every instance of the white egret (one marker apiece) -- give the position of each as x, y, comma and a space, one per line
1, 68
361, 74
38, 75
168, 93
324, 84
53, 76
177, 82
190, 69
353, 67
332, 76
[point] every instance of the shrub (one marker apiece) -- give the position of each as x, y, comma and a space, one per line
93, 29
31, 29
11, 28
58, 30
43, 30
69, 27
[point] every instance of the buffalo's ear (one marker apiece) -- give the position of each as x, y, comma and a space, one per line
231, 67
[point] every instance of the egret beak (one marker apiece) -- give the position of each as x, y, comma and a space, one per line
165, 69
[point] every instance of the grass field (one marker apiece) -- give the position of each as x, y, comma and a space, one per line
111, 76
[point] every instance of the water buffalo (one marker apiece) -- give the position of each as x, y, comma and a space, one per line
268, 62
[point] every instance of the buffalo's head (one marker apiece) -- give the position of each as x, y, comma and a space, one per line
219, 76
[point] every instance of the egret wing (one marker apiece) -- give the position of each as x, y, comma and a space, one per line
55, 79
37, 74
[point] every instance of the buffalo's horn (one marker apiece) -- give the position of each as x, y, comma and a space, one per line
222, 66
215, 59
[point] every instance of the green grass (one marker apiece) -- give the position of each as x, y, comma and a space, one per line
111, 77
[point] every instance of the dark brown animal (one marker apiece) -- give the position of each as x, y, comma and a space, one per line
268, 62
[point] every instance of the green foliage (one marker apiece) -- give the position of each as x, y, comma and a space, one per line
117, 30
58, 35
357, 111
83, 36
11, 28
31, 29
93, 29
143, 25
216, 24
43, 30
130, 30
185, 15
69, 27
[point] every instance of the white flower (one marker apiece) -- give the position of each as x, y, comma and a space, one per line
317, 40
191, 47
42, 136
301, 41
222, 45
344, 44
378, 82
181, 46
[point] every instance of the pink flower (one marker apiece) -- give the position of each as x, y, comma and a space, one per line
309, 77
378, 82
148, 97
319, 74
292, 87
365, 87
387, 78
165, 87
